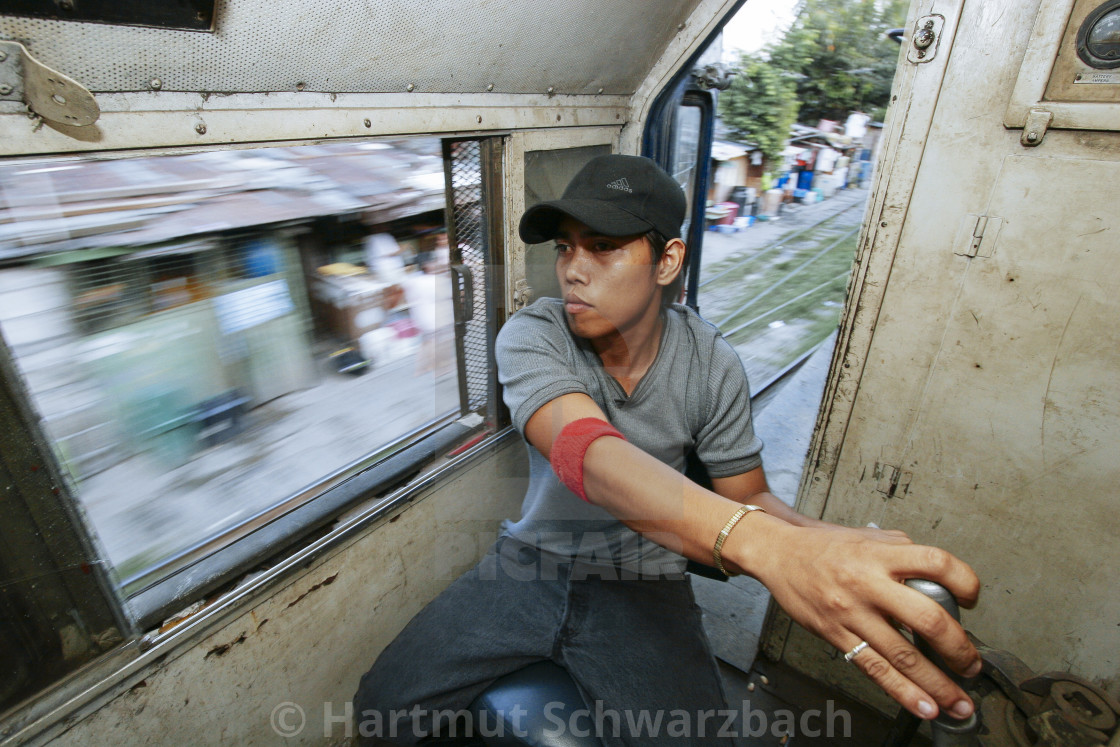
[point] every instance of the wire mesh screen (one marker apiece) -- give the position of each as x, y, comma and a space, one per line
472, 270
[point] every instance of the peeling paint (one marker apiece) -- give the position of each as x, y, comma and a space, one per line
325, 582
225, 647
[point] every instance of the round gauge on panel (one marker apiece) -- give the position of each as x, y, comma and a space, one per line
1098, 39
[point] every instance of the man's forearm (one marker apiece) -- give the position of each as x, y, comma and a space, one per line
657, 501
842, 584
775, 506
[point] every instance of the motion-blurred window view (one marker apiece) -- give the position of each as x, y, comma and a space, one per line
206, 336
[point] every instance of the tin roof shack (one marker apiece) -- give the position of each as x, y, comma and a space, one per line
822, 158
735, 165
176, 282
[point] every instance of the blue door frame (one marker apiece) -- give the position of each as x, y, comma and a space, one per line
658, 139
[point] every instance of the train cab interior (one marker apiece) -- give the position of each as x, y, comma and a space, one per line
253, 260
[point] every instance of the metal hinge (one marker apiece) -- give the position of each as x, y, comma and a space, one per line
47, 93
713, 76
891, 481
1038, 121
977, 234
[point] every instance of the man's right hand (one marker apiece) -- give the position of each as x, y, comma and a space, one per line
848, 585
845, 585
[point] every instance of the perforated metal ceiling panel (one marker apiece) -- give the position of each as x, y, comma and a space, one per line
376, 46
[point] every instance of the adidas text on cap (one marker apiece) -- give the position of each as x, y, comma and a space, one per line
613, 195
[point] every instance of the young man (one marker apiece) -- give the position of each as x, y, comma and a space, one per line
613, 386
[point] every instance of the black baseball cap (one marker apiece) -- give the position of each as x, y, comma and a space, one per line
613, 195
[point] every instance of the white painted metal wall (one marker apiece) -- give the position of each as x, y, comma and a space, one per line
990, 383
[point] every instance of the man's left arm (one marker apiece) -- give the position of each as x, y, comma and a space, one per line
751, 487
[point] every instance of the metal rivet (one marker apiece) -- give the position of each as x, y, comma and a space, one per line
883, 224
479, 119
1032, 136
200, 128
300, 86
3, 56
600, 90
410, 88
367, 123
550, 90
155, 84
5, 90
490, 87
680, 27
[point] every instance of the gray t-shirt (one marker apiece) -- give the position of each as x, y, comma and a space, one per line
694, 397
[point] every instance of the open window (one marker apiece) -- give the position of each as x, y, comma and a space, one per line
225, 348
776, 179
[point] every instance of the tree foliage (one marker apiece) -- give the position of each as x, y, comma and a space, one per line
835, 58
840, 54
760, 105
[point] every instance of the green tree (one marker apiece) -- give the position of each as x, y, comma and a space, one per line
760, 105
840, 55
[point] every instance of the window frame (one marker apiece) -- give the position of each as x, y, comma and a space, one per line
280, 539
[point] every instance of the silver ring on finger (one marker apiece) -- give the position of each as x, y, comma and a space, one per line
855, 651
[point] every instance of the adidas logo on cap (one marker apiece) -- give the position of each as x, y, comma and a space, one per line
620, 184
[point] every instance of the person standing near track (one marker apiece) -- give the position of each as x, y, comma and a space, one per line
613, 386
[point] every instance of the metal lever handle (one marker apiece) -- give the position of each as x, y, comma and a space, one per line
947, 731
467, 305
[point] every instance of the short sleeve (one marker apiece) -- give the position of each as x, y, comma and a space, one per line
727, 444
536, 363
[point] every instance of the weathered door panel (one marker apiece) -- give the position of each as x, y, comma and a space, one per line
982, 415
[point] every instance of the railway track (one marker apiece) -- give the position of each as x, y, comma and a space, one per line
776, 303
780, 243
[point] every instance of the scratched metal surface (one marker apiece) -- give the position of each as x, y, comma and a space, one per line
991, 381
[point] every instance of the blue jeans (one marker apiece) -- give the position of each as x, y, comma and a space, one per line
634, 647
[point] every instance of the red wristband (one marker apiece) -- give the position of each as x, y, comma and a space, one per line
569, 448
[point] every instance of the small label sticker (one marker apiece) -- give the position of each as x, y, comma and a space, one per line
1113, 78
